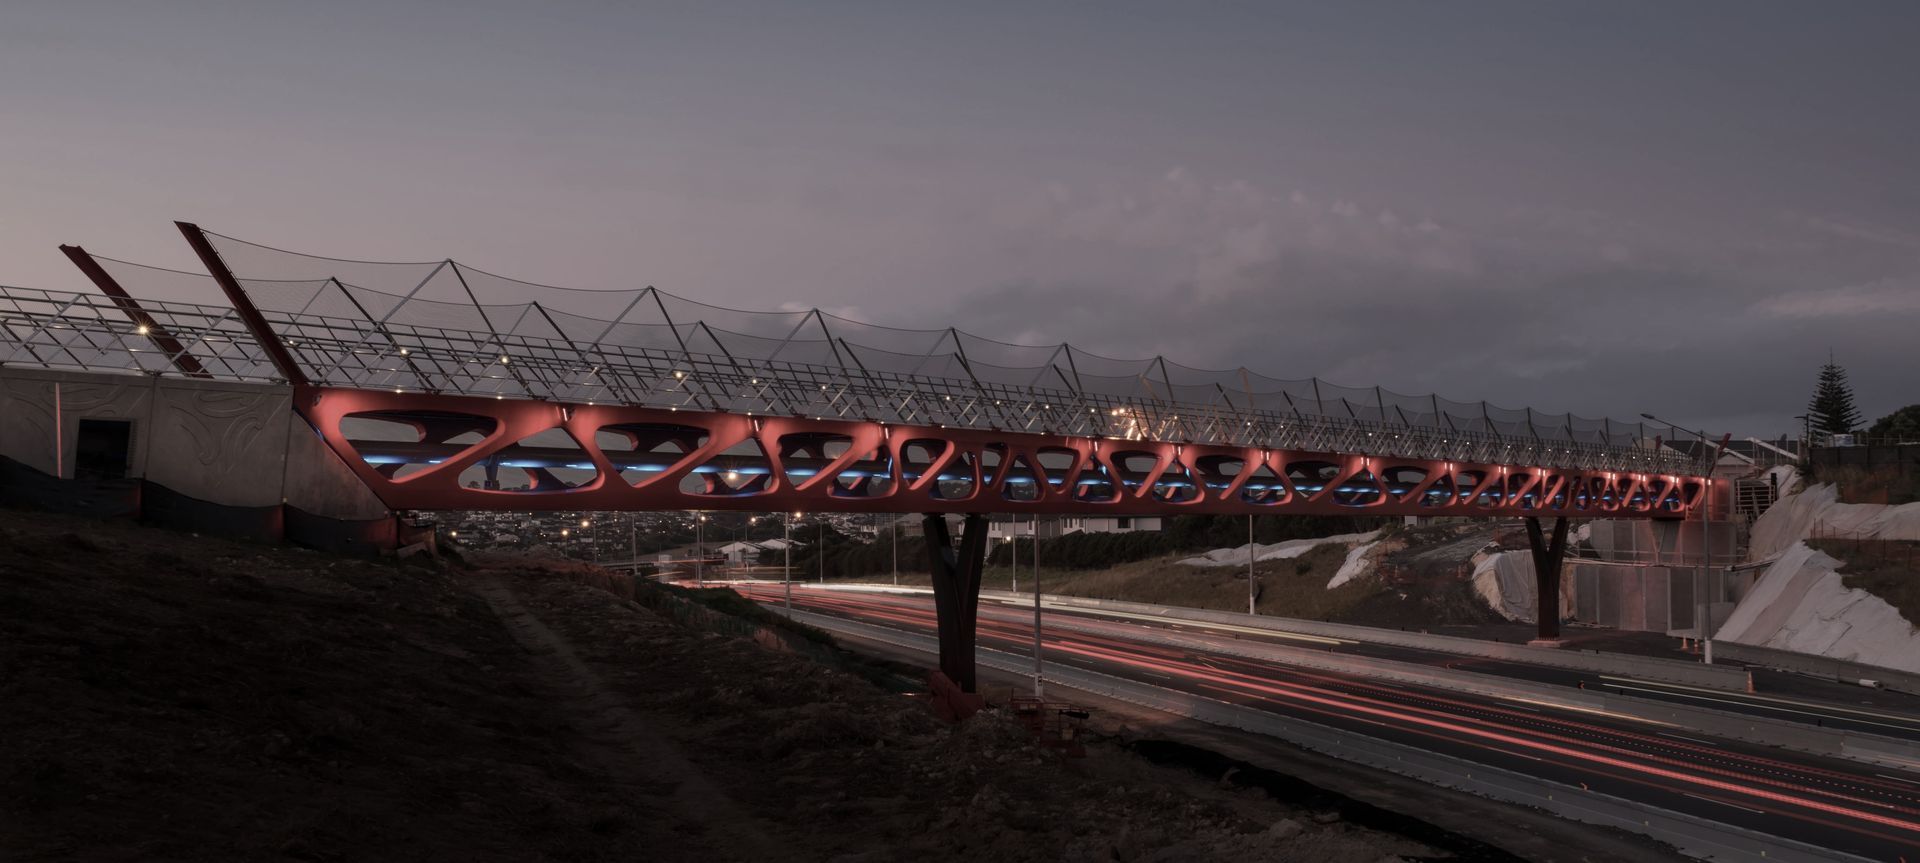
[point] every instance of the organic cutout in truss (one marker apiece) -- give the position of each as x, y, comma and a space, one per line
551, 459
1263, 486
1176, 484
869, 477
403, 444
804, 455
1403, 480
1134, 467
1441, 493
1024, 481
1312, 476
1363, 488
644, 452
740, 470
917, 460
1215, 472
1096, 483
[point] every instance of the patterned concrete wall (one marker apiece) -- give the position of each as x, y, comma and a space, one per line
26, 413
226, 443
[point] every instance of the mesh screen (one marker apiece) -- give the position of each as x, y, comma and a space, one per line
445, 326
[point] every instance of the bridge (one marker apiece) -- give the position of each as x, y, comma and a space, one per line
444, 387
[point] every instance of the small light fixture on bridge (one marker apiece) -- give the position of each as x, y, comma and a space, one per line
503, 359
405, 352
142, 329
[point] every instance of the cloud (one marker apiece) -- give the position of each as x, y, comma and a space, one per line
1559, 308
1884, 297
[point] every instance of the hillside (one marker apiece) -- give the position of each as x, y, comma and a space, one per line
173, 698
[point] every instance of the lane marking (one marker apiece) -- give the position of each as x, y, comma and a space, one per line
1723, 803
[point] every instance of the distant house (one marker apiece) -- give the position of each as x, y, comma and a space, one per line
1005, 528
740, 553
777, 544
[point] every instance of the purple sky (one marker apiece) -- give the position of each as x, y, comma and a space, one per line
1610, 208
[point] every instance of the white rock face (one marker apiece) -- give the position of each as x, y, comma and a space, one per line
1357, 564
1278, 551
1801, 604
1504, 580
1818, 512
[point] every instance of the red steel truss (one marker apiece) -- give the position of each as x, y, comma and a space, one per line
467, 453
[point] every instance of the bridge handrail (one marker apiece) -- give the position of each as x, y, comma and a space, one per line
83, 330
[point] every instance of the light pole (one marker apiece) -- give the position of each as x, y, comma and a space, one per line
633, 541
1039, 691
1250, 553
823, 551
593, 544
786, 567
893, 539
700, 550
1013, 557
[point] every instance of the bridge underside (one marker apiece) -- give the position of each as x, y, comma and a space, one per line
425, 451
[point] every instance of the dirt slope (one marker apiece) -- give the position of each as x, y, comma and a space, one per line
173, 698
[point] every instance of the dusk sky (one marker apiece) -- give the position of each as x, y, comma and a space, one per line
1607, 208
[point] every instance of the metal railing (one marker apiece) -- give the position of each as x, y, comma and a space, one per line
89, 332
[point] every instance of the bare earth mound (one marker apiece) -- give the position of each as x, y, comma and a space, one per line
169, 697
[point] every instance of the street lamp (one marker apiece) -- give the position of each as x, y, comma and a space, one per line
699, 550
786, 564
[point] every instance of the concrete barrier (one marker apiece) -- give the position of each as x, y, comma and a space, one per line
1694, 836
1729, 678
1822, 666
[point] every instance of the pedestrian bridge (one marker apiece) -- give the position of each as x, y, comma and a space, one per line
444, 387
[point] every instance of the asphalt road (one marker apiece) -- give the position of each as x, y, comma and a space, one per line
1860, 809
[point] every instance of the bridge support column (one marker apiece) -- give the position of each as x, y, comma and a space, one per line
1547, 557
956, 601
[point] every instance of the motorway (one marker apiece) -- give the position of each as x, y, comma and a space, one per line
1869, 811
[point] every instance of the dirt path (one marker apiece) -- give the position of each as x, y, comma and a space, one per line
618, 740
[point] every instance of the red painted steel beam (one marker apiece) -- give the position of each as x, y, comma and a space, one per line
799, 464
161, 338
249, 314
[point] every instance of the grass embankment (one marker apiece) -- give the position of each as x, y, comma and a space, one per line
169, 697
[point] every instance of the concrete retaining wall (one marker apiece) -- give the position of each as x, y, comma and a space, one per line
1646, 667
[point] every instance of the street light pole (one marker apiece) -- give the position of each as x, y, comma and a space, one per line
893, 539
823, 551
700, 550
786, 566
1250, 551
1039, 691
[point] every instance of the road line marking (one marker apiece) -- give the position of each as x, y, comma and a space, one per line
1723, 803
